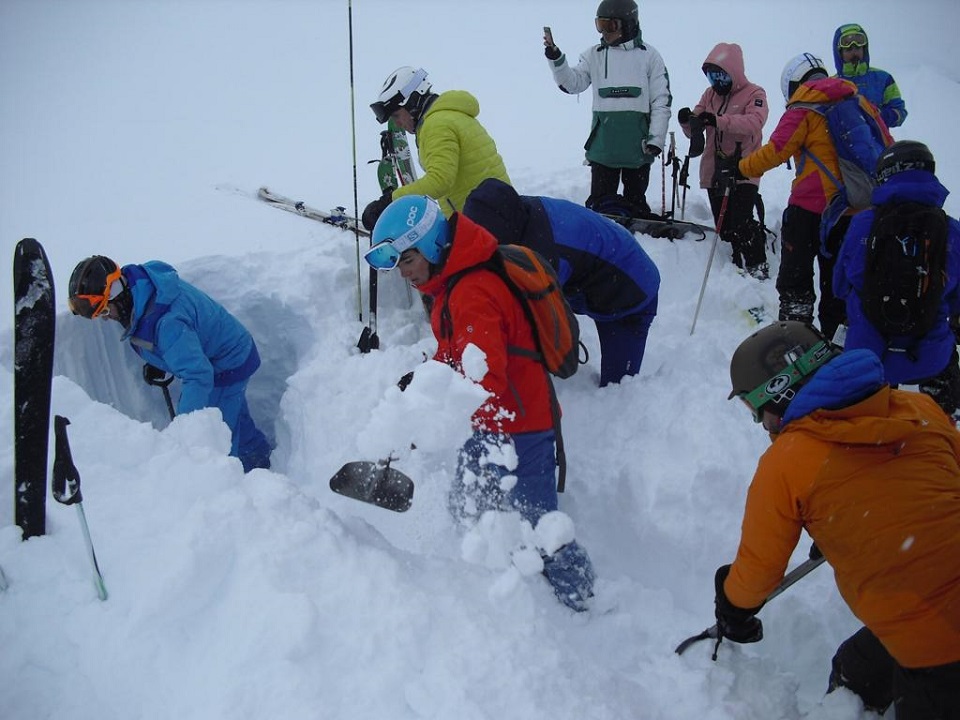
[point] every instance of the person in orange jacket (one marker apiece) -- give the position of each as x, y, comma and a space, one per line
802, 132
433, 253
873, 475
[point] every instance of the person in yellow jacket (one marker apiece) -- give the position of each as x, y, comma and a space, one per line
873, 475
802, 134
455, 150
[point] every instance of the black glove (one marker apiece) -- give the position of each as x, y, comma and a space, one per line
708, 119
403, 382
372, 212
728, 170
552, 52
815, 553
683, 115
736, 624
652, 150
153, 375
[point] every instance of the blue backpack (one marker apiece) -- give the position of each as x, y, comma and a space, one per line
859, 141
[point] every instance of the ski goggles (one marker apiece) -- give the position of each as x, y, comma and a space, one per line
607, 25
718, 77
852, 39
781, 386
385, 255
383, 110
94, 306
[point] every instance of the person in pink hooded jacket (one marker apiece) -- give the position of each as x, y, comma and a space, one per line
731, 113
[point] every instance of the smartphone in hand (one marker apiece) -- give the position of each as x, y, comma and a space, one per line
547, 36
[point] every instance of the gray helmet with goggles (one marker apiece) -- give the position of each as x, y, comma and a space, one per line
768, 368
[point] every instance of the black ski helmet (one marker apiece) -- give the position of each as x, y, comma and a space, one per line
626, 12
768, 368
904, 155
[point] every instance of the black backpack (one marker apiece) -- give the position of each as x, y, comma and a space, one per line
905, 271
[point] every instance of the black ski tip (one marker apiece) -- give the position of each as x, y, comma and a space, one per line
375, 483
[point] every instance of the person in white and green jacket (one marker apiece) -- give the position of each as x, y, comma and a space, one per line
631, 104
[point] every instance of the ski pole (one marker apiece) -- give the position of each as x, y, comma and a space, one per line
66, 490
353, 133
684, 183
674, 167
3, 581
713, 250
713, 632
728, 186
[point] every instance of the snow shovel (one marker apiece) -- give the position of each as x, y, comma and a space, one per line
713, 632
376, 483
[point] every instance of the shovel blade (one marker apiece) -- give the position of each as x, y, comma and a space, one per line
375, 483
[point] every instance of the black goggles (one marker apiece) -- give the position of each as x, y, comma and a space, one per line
382, 110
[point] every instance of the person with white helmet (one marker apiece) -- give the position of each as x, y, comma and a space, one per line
477, 309
455, 150
631, 104
800, 133
872, 474
177, 328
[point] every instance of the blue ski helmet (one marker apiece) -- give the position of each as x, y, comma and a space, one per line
413, 221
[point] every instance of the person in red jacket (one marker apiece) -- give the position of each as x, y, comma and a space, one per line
731, 113
433, 253
872, 474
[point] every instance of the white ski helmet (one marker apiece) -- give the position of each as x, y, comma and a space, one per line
798, 70
405, 87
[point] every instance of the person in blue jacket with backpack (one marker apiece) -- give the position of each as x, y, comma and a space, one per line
605, 273
178, 329
851, 55
905, 173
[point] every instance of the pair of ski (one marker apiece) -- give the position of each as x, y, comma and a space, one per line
34, 332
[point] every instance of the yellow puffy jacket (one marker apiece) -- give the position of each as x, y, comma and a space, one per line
877, 487
456, 153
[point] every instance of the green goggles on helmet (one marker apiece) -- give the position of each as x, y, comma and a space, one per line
781, 386
852, 39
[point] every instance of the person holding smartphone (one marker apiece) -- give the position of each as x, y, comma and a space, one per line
631, 104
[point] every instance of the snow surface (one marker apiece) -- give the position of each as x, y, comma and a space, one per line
125, 128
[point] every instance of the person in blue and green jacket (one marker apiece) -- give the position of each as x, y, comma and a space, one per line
631, 103
851, 54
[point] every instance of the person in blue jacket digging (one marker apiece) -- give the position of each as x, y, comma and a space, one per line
175, 328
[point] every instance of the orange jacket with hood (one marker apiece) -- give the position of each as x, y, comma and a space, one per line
876, 484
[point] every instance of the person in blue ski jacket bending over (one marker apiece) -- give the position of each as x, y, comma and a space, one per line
605, 273
176, 328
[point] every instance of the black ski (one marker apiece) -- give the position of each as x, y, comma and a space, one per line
337, 216
376, 483
34, 326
